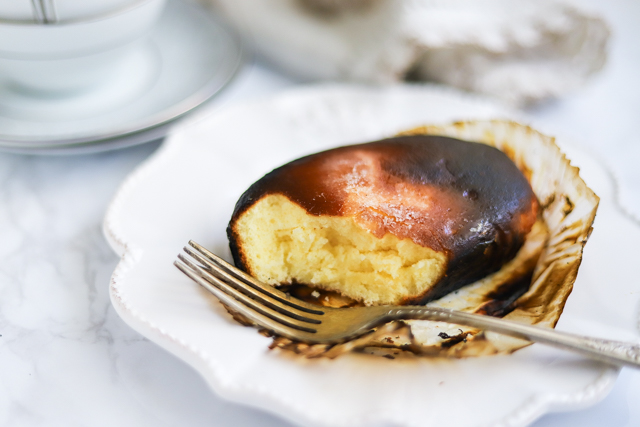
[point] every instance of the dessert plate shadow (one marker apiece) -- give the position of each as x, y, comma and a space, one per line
188, 189
188, 57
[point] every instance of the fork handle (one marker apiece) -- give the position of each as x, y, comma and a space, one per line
613, 352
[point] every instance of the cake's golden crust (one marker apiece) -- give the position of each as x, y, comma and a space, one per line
465, 199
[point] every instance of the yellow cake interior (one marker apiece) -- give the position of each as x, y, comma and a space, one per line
281, 244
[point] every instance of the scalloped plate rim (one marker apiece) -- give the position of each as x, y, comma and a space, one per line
130, 254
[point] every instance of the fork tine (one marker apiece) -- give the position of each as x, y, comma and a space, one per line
247, 302
241, 286
228, 270
256, 317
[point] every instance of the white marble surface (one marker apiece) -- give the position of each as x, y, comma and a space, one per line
66, 359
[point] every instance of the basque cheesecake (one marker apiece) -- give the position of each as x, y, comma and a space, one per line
404, 220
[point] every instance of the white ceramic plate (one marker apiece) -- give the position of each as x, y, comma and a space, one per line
188, 190
188, 57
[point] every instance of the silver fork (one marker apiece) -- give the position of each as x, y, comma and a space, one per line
284, 315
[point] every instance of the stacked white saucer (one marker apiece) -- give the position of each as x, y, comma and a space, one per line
89, 76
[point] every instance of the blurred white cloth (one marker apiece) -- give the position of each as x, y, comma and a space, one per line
517, 50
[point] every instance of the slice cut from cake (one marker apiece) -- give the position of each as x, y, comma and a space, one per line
403, 220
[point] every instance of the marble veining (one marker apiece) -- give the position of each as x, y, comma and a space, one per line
66, 358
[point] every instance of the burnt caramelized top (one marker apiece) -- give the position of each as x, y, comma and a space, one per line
466, 199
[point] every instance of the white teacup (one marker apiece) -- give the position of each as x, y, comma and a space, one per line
72, 54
